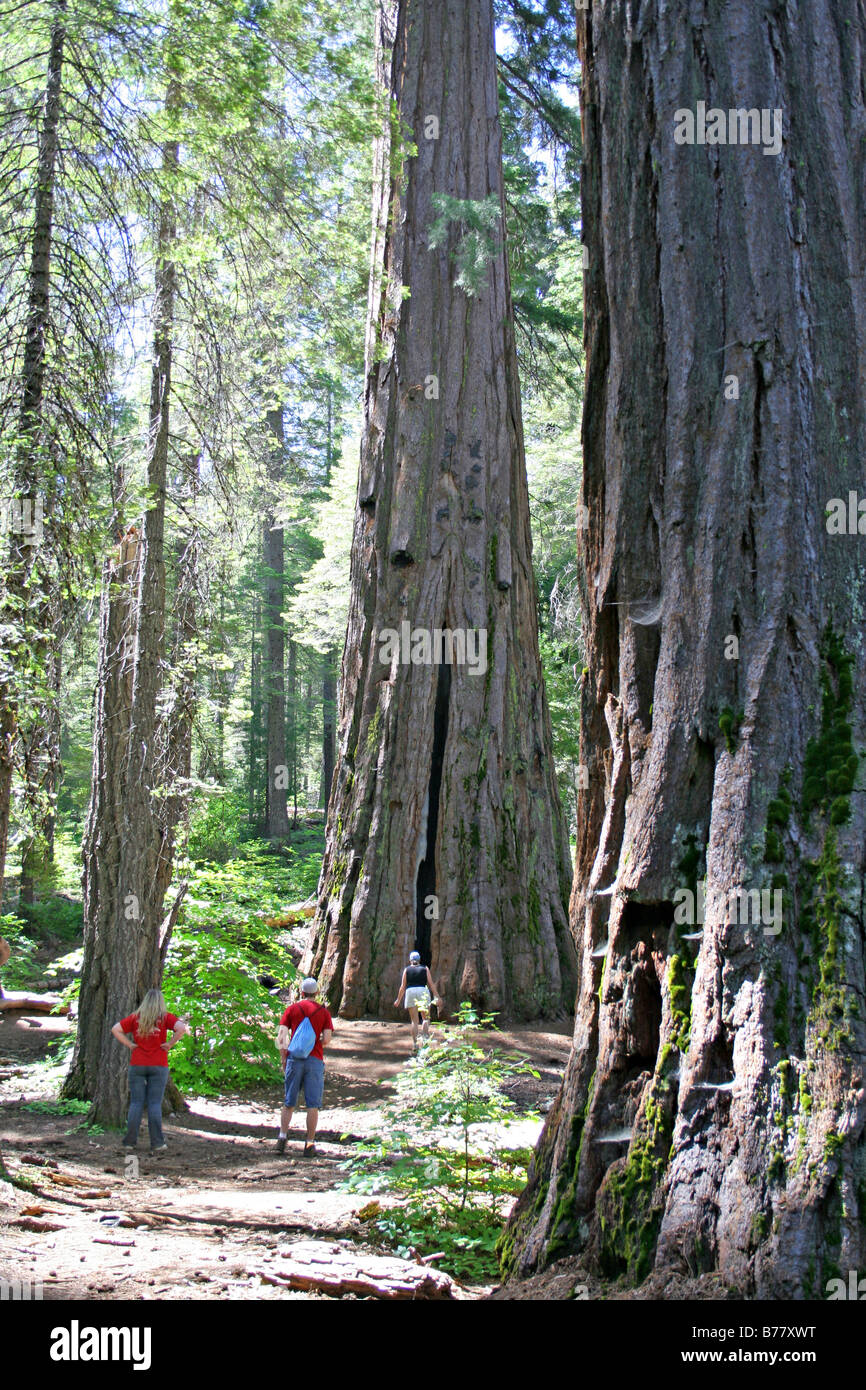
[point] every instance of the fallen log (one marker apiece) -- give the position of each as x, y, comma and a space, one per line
33, 1003
70, 1180
295, 912
336, 1270
35, 1223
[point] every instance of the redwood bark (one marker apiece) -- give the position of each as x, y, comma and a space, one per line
329, 696
731, 1063
444, 827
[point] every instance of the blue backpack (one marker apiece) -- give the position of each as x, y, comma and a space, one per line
304, 1037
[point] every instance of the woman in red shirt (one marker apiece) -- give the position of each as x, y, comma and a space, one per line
149, 1027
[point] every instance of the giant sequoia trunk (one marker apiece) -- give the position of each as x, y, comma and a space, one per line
128, 845
445, 830
712, 1113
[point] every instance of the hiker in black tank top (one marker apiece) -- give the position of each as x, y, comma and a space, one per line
417, 986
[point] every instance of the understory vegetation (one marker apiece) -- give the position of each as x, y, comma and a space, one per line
446, 1177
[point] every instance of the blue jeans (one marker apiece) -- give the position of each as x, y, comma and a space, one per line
146, 1087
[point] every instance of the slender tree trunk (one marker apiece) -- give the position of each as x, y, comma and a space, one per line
276, 802
292, 734
713, 1111
18, 595
255, 716
124, 892
177, 725
445, 829
308, 724
222, 693
40, 737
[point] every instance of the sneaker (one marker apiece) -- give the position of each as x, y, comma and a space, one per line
158, 1148
309, 1150
281, 1146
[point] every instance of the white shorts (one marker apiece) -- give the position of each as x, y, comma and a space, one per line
417, 997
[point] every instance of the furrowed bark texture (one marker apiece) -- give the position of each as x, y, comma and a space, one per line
444, 792
109, 963
128, 847
712, 1112
329, 695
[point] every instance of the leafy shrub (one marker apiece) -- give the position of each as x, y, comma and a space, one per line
217, 952
455, 1184
65, 1107
57, 1107
21, 970
218, 825
255, 880
305, 867
232, 1020
54, 916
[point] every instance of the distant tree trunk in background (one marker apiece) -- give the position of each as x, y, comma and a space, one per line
445, 829
124, 888
276, 801
255, 716
222, 693
42, 773
292, 728
19, 593
725, 702
308, 725
329, 696
53, 759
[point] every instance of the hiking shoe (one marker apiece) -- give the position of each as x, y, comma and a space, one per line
309, 1150
158, 1148
281, 1146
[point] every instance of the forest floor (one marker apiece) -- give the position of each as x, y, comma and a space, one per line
209, 1216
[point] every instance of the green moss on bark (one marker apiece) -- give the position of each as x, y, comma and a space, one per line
680, 991
631, 1203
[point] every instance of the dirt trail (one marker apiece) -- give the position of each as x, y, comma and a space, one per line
193, 1221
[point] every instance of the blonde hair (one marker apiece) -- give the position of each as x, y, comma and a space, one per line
151, 1009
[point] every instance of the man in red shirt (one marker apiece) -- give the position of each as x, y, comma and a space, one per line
308, 1072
